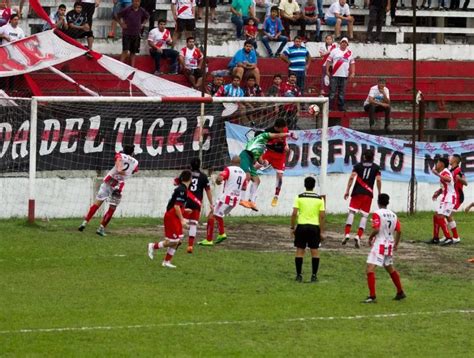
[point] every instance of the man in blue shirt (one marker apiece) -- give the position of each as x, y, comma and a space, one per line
272, 29
298, 59
233, 89
244, 63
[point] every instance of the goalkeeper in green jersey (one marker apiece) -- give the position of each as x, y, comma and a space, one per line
252, 154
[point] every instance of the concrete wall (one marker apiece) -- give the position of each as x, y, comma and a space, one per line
148, 196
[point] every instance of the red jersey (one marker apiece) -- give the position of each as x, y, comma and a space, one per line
251, 30
277, 144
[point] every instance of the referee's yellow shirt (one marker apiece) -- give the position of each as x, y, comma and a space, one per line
309, 204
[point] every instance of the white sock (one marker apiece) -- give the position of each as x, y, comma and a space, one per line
161, 244
350, 218
253, 192
363, 221
452, 224
192, 228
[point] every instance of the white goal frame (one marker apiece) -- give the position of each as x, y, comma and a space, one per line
322, 101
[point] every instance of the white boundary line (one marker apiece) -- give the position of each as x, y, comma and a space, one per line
228, 323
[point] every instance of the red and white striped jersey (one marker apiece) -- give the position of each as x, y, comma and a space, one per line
386, 221
191, 57
448, 194
184, 8
130, 166
160, 39
234, 179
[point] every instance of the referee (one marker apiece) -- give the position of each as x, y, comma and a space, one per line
307, 225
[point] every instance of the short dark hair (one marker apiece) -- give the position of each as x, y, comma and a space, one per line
13, 16
195, 164
236, 76
248, 42
189, 38
274, 8
383, 199
161, 21
251, 77
185, 176
444, 160
77, 3
128, 149
368, 155
297, 38
381, 80
458, 157
309, 183
277, 75
280, 123
291, 74
62, 6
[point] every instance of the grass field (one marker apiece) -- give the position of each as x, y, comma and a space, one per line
65, 293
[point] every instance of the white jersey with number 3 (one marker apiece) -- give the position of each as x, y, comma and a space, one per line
234, 179
130, 166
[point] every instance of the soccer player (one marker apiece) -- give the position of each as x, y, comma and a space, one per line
174, 221
233, 178
447, 202
383, 241
365, 175
112, 187
276, 155
199, 184
459, 181
250, 155
309, 214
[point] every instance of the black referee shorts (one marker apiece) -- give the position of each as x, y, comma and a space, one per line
307, 236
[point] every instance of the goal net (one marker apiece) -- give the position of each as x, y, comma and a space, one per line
68, 146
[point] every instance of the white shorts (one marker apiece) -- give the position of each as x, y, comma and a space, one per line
106, 192
445, 209
222, 209
380, 255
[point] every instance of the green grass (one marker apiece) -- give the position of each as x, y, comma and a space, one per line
222, 301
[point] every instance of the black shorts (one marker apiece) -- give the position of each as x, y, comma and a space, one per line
185, 25
89, 9
307, 236
202, 3
131, 43
78, 34
197, 73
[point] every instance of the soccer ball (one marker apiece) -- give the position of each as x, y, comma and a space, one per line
313, 110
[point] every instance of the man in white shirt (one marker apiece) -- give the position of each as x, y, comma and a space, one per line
11, 32
338, 14
183, 13
378, 100
191, 61
160, 42
343, 68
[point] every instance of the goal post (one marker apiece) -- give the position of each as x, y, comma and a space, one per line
71, 135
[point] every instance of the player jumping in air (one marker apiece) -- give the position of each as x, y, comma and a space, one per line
199, 184
233, 178
385, 225
276, 154
173, 220
365, 175
459, 182
111, 188
252, 154
447, 202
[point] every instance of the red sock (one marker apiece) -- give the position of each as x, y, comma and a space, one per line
220, 224
435, 227
360, 232
444, 227
168, 257
455, 232
108, 216
191, 241
156, 246
210, 229
396, 281
371, 283
347, 229
277, 191
92, 210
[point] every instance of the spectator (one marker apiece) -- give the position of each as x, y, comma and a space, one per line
241, 10
393, 9
132, 21
160, 42
5, 13
290, 110
119, 5
216, 87
150, 7
311, 18
183, 13
466, 5
274, 90
266, 4
252, 89
298, 58
58, 18
291, 15
343, 67
78, 26
324, 52
17, 10
244, 63
191, 61
233, 89
11, 32
88, 7
378, 100
201, 4
338, 14
377, 13
250, 32
272, 28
